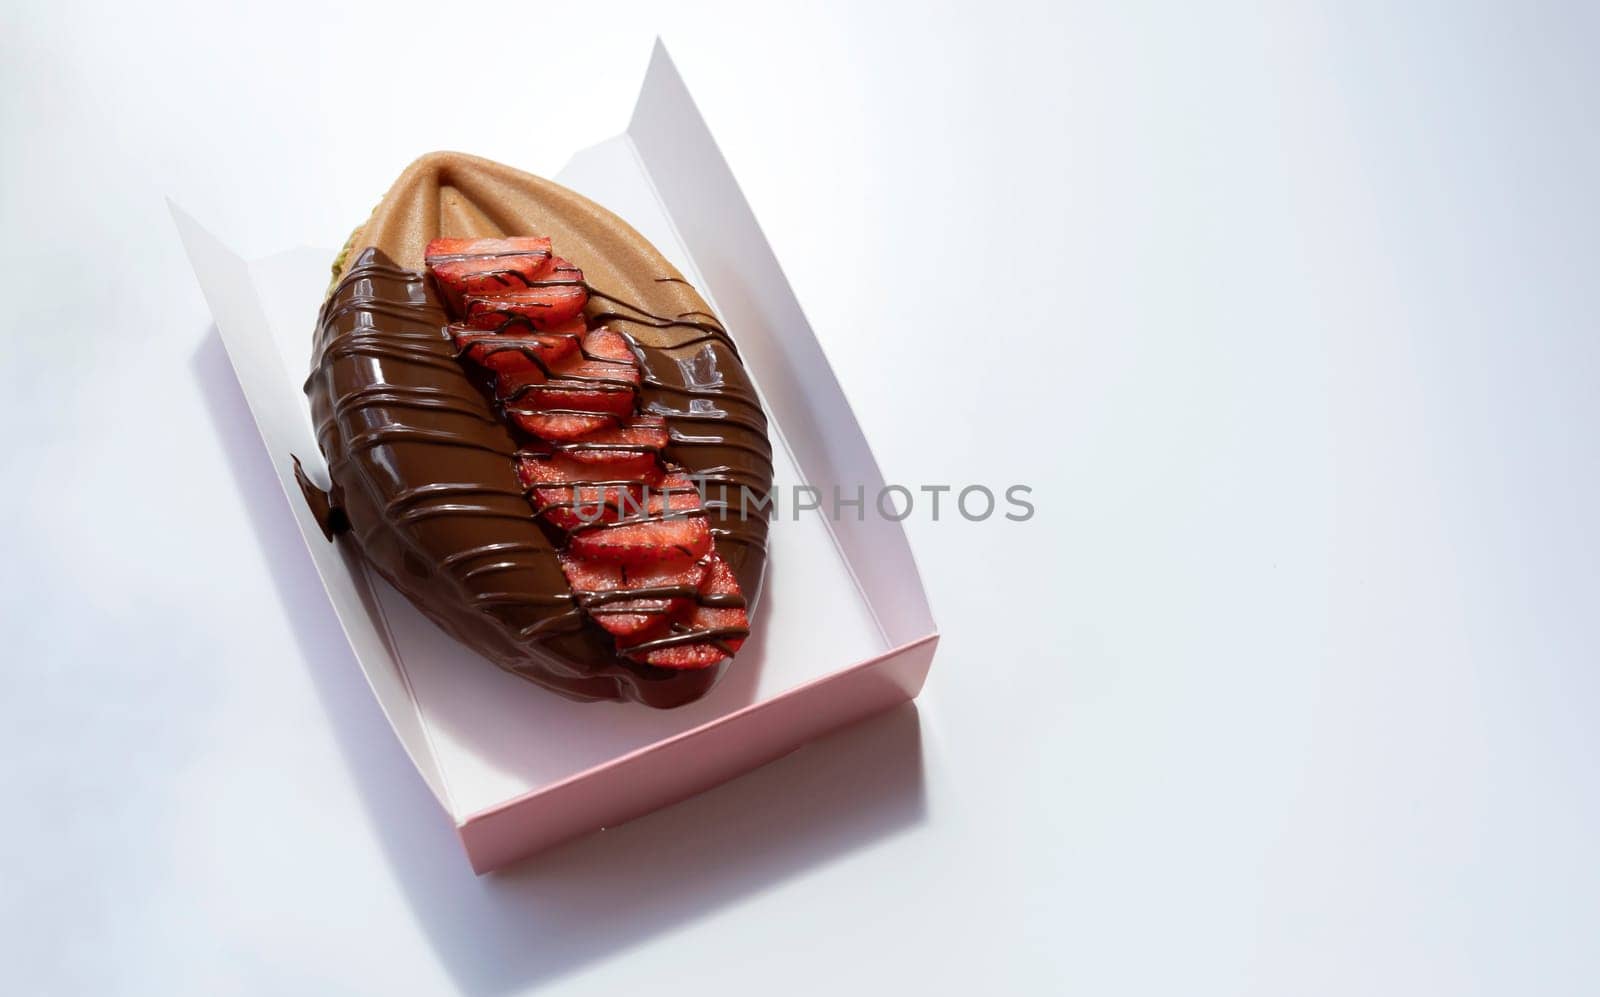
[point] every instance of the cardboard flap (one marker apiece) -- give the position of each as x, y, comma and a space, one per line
482, 737
229, 285
740, 272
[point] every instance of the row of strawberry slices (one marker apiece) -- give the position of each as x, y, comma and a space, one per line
638, 553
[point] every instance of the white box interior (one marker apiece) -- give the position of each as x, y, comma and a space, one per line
836, 594
496, 736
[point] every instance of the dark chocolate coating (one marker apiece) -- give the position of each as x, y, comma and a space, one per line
423, 477
421, 461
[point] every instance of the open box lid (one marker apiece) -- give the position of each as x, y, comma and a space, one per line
843, 591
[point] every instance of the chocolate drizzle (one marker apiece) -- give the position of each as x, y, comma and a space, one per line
396, 410
696, 382
717, 430
423, 475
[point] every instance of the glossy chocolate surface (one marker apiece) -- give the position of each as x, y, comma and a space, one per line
422, 462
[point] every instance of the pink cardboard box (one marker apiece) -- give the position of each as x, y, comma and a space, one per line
843, 630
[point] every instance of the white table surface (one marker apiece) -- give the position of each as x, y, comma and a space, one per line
1286, 313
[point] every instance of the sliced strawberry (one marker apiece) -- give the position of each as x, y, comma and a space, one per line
559, 469
715, 628
635, 541
485, 266
518, 359
572, 495
700, 654
514, 324
601, 379
609, 346
555, 296
565, 426
674, 494
540, 307
529, 404
563, 270
641, 434
639, 554
574, 508
630, 600
671, 495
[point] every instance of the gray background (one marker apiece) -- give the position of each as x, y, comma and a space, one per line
1286, 312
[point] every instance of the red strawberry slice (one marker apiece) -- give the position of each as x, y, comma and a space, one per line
716, 626
519, 359
674, 494
516, 325
556, 295
486, 266
538, 468
539, 408
565, 426
676, 528
630, 600
601, 379
571, 494
606, 345
639, 554
540, 307
642, 434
